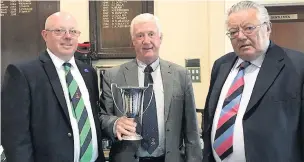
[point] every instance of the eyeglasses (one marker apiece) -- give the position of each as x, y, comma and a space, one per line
62, 32
247, 30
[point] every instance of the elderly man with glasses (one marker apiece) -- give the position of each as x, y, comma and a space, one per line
255, 105
49, 104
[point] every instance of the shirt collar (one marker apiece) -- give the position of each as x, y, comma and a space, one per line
59, 62
142, 65
257, 62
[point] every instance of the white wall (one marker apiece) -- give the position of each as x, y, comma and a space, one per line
80, 10
185, 30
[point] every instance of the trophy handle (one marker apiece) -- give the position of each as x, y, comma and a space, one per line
152, 94
114, 98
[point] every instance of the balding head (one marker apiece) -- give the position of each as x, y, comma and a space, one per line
58, 17
61, 35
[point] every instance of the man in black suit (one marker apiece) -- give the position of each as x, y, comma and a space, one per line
50, 104
254, 110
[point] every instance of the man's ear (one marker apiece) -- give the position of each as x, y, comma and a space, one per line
269, 25
44, 34
132, 42
161, 36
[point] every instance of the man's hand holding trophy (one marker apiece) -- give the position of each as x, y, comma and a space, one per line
132, 107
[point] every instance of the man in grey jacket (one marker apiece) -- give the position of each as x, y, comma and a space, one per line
172, 134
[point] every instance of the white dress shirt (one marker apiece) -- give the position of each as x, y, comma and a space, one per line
250, 75
85, 95
159, 99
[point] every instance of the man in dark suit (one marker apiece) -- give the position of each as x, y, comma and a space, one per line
169, 124
254, 110
50, 104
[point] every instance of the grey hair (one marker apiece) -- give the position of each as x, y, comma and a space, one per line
243, 5
144, 18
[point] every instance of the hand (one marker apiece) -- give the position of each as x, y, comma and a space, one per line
125, 126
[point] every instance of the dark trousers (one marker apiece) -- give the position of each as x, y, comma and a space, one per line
152, 159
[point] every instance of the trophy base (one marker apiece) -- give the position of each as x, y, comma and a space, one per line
132, 138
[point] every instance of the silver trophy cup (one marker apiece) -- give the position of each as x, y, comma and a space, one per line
132, 103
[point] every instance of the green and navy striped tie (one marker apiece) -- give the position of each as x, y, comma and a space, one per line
81, 114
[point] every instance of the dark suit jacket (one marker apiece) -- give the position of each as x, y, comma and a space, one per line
274, 120
35, 121
180, 115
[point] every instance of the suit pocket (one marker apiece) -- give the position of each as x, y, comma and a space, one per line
176, 110
178, 97
283, 97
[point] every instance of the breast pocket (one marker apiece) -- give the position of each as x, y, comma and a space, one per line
178, 103
178, 93
178, 96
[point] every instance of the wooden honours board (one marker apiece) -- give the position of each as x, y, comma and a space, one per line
110, 26
21, 25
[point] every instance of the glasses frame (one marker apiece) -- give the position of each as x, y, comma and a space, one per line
63, 32
244, 32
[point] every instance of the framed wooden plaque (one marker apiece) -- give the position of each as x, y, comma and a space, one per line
21, 25
110, 26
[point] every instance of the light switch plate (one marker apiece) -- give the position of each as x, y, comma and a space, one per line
195, 73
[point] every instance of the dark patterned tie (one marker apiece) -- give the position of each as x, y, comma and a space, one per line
223, 141
149, 120
81, 114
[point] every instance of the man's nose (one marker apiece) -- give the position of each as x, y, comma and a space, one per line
146, 39
67, 35
241, 35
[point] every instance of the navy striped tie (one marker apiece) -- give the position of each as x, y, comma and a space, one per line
149, 119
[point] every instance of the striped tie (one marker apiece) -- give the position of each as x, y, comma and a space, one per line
81, 114
223, 141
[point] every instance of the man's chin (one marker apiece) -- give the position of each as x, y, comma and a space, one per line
248, 56
66, 54
67, 51
149, 58
149, 54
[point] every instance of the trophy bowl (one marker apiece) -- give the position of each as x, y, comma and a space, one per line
132, 104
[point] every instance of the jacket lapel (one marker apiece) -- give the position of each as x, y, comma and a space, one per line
129, 78
167, 78
86, 76
222, 75
131, 73
55, 82
271, 67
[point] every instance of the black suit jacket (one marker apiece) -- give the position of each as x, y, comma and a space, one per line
35, 121
273, 124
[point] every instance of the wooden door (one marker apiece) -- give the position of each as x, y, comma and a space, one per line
288, 26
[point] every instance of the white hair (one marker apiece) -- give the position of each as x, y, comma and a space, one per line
244, 5
144, 18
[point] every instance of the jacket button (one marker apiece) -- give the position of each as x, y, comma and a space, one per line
168, 130
168, 152
69, 134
